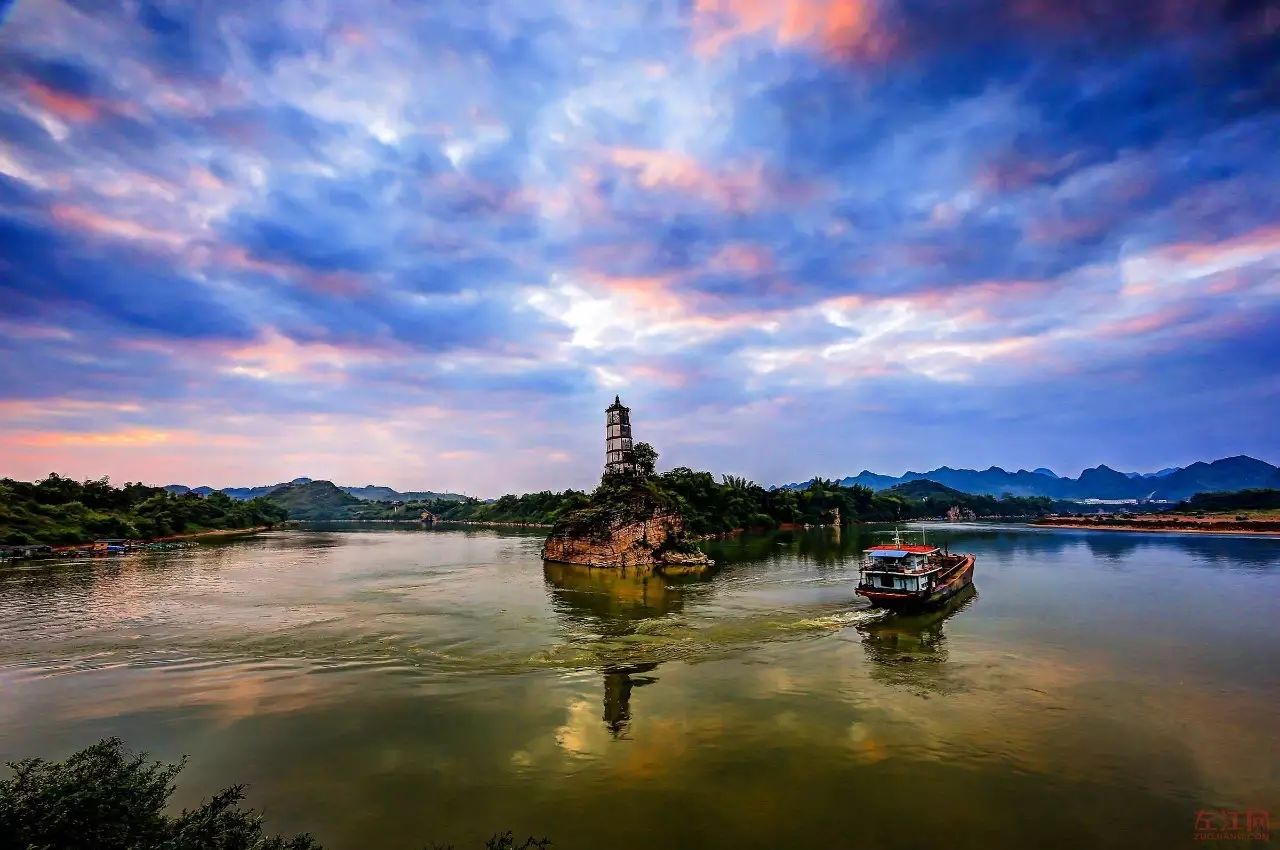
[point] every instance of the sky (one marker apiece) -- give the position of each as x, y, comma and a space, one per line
425, 244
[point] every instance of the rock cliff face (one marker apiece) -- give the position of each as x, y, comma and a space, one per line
656, 541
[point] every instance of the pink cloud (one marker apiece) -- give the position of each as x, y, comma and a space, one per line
735, 188
842, 28
647, 293
275, 356
352, 35
1012, 171
92, 221
643, 375
1052, 229
1148, 323
330, 283
203, 178
742, 258
1255, 244
272, 356
115, 439
65, 105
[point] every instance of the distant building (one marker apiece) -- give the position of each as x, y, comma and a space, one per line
618, 456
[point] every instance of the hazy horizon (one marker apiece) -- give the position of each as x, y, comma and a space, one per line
425, 246
420, 487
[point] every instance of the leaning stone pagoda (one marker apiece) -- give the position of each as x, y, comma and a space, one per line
627, 525
618, 456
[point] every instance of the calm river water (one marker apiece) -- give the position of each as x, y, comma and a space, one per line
390, 688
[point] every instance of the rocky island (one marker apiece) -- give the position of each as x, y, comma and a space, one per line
625, 535
629, 523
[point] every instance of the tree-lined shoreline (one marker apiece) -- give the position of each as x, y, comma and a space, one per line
60, 511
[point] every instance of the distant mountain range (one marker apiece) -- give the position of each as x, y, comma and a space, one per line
1100, 482
369, 492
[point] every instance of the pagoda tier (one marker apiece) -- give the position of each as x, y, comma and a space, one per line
618, 455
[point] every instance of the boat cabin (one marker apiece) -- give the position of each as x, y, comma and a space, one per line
900, 566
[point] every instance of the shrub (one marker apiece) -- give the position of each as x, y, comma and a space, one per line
105, 797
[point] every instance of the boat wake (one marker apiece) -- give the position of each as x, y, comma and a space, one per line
322, 646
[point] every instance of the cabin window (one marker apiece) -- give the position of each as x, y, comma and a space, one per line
886, 581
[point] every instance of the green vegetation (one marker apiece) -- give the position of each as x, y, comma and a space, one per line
106, 798
929, 499
1257, 499
620, 498
707, 505
712, 506
317, 500
323, 500
532, 508
61, 510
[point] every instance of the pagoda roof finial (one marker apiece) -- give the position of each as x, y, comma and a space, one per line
617, 399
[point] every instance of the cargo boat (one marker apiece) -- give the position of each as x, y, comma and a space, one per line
902, 576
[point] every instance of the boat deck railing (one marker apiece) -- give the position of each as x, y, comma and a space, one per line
869, 566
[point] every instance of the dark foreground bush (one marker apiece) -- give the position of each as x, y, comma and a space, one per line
104, 798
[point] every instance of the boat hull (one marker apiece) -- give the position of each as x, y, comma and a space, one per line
956, 580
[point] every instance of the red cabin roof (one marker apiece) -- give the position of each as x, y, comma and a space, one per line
908, 549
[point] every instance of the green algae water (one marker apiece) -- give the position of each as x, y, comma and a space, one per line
397, 687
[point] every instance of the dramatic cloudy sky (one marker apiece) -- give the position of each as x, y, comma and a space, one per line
423, 244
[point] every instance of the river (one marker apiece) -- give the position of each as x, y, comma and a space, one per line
395, 687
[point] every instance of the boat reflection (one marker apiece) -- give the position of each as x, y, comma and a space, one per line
612, 605
910, 650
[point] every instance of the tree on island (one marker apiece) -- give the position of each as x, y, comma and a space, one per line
646, 459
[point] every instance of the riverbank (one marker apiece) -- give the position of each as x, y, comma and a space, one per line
218, 532
88, 546
1180, 523
492, 523
479, 523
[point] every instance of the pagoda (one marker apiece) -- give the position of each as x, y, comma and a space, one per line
628, 523
618, 455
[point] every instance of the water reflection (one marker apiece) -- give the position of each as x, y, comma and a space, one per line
612, 599
618, 682
1116, 547
910, 649
386, 687
614, 604
825, 547
821, 546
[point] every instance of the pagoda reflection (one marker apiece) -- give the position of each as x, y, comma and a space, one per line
611, 605
618, 682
